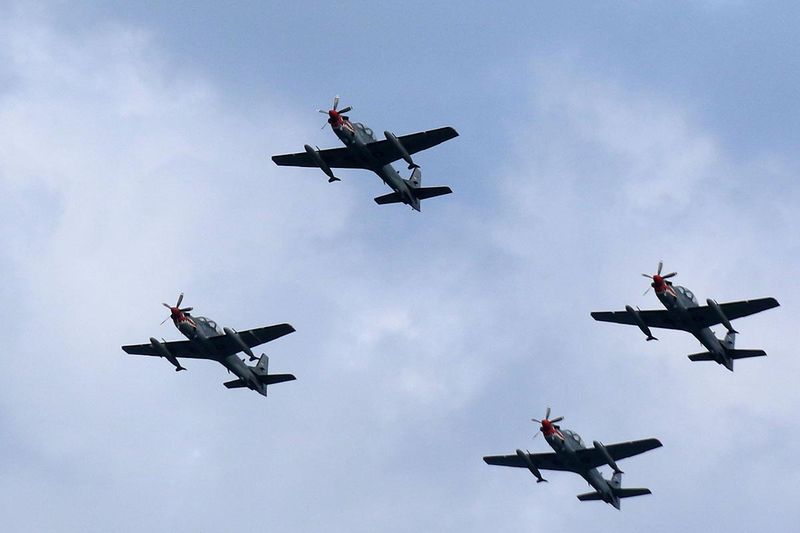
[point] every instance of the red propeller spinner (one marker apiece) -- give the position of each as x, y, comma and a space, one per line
176, 313
548, 425
336, 117
659, 281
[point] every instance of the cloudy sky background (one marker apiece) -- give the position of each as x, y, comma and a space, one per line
595, 140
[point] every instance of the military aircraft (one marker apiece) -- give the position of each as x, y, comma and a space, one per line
362, 150
208, 341
684, 313
571, 455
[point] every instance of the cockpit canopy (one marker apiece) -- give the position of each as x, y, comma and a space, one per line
686, 292
574, 436
365, 130
207, 324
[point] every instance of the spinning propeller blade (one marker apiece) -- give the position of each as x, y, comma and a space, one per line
176, 310
335, 114
657, 278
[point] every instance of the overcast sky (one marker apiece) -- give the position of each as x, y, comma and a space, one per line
596, 139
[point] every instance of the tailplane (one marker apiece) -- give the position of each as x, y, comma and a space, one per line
743, 354
423, 193
264, 377
630, 493
618, 495
590, 496
272, 379
235, 384
420, 193
391, 198
617, 492
702, 356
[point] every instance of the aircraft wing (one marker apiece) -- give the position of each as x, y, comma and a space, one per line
385, 152
653, 319
176, 348
593, 458
542, 461
707, 317
251, 337
334, 157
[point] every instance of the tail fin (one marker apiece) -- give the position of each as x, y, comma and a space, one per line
729, 342
416, 178
262, 367
430, 192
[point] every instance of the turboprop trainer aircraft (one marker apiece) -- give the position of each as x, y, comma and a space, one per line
571, 455
208, 341
684, 313
362, 150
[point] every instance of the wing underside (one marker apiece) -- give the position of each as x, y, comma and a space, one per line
592, 457
334, 157
706, 317
588, 457
654, 319
543, 461
184, 349
384, 152
703, 316
223, 345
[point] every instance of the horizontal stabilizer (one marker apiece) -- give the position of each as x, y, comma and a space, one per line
702, 356
235, 384
391, 198
590, 496
272, 379
743, 354
430, 192
630, 493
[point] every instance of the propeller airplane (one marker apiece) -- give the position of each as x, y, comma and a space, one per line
570, 454
685, 314
206, 340
362, 150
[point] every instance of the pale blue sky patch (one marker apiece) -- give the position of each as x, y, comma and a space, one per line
595, 140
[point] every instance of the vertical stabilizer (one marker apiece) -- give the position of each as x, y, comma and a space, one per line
730, 341
262, 368
416, 178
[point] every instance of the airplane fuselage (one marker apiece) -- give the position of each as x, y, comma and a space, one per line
678, 300
198, 330
566, 444
355, 137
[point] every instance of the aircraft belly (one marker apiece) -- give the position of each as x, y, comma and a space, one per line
391, 178
362, 154
709, 340
237, 366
